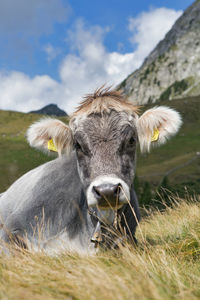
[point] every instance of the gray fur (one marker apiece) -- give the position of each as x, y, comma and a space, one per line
47, 192
50, 202
105, 148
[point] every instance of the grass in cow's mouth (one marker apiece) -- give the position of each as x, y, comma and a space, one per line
109, 207
164, 265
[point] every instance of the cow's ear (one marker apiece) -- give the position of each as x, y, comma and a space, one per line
156, 125
50, 135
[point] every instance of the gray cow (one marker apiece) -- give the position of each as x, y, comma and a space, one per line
73, 202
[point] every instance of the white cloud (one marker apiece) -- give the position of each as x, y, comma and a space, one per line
92, 66
88, 66
52, 52
20, 92
150, 27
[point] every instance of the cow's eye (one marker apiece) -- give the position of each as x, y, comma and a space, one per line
131, 141
77, 146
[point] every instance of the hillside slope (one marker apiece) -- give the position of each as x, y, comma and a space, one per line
179, 150
172, 70
16, 156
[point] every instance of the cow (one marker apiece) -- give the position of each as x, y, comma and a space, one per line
76, 201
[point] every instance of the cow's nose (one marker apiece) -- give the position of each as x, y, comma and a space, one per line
107, 194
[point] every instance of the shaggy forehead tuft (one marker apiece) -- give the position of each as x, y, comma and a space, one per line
104, 100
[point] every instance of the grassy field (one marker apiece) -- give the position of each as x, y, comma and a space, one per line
178, 150
164, 265
16, 157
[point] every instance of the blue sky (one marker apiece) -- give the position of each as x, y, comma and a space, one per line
55, 51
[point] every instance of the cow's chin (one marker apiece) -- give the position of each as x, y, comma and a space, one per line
123, 196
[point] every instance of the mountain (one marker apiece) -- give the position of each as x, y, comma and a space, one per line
50, 110
172, 70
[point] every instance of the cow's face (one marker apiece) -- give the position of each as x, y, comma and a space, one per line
105, 146
104, 134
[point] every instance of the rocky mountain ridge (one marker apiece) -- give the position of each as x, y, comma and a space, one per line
172, 70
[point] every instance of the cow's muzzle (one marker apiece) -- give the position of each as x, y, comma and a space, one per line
108, 192
107, 195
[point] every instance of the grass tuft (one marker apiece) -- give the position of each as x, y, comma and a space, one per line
164, 265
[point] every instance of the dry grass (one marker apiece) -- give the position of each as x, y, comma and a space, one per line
165, 265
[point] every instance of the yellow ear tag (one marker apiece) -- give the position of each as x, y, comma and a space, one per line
155, 135
51, 146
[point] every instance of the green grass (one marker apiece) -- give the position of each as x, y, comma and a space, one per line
175, 89
178, 150
164, 265
16, 156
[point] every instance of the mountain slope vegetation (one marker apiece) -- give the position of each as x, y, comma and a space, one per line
16, 157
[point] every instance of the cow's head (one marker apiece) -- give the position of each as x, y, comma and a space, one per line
104, 133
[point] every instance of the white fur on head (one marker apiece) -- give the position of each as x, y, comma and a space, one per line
165, 119
42, 131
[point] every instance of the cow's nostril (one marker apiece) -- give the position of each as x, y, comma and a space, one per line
107, 194
116, 189
96, 192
